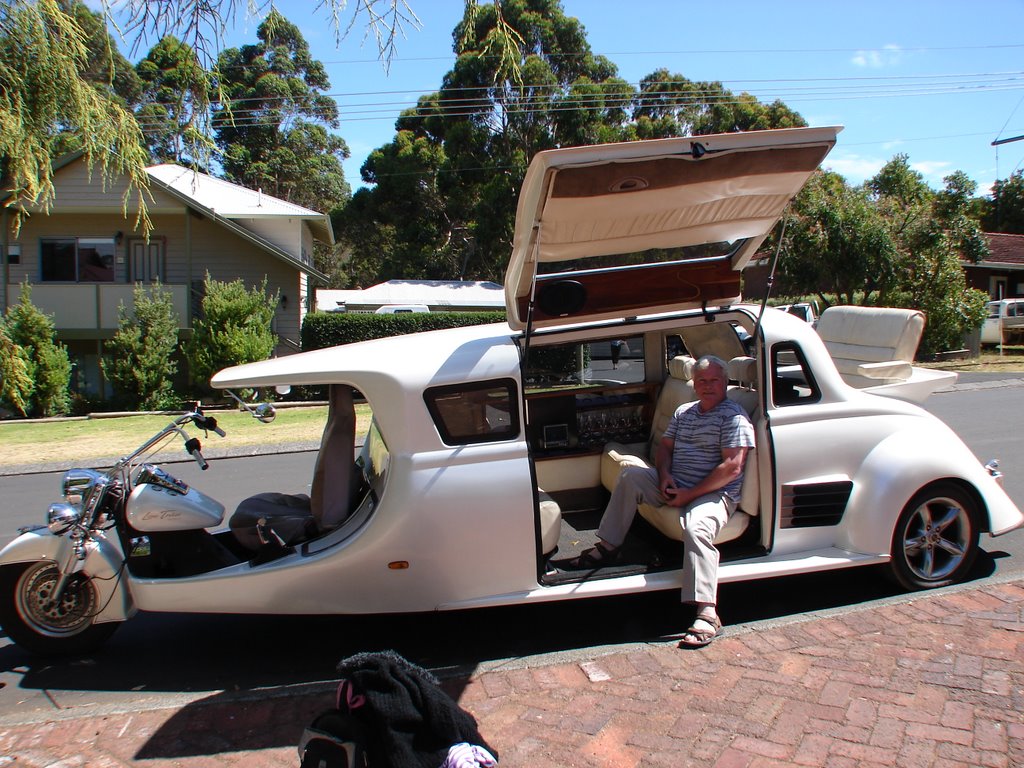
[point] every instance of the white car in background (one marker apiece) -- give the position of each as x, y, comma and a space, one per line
1004, 323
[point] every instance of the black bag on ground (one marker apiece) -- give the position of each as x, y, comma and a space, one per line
333, 740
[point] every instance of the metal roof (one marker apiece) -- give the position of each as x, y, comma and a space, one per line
231, 201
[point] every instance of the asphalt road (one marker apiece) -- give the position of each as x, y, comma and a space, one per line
175, 658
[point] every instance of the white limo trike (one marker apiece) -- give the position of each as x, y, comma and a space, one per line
492, 448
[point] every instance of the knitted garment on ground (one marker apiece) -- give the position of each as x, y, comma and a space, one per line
412, 721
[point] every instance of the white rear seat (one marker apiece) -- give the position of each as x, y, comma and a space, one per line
871, 345
550, 522
677, 389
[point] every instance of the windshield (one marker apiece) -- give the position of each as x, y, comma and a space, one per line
374, 457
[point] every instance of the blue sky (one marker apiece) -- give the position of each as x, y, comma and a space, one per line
936, 80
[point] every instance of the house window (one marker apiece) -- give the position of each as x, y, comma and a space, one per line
77, 259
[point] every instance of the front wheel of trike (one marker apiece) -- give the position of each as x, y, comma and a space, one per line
936, 538
39, 625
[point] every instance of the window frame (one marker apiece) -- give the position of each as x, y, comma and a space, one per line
432, 395
75, 242
808, 376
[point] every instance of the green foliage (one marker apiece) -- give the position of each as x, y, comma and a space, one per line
105, 67
173, 112
48, 88
1004, 211
234, 327
328, 329
892, 242
140, 360
672, 105
64, 86
46, 361
836, 242
270, 116
16, 385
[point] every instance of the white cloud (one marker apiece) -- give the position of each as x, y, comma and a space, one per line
854, 168
857, 169
877, 58
933, 170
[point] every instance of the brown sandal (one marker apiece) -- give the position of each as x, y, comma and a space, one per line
703, 631
596, 557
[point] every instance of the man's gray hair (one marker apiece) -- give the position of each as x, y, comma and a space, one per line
708, 360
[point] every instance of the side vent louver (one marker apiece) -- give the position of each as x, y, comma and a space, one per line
813, 505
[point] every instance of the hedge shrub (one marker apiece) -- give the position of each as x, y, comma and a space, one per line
328, 329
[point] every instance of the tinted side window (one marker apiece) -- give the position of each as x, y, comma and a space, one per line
792, 381
477, 412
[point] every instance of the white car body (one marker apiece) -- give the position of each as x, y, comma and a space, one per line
487, 460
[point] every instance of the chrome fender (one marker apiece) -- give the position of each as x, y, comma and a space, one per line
900, 466
104, 563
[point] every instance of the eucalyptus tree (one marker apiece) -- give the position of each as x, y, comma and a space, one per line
934, 234
672, 105
271, 115
892, 241
1004, 211
174, 103
45, 91
837, 244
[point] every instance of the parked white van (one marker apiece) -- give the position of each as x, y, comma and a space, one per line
1004, 323
398, 309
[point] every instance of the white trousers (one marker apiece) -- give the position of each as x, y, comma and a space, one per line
701, 521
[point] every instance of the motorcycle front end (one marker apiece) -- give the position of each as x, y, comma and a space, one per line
63, 585
60, 584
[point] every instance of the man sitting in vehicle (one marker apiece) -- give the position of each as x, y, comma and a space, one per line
699, 468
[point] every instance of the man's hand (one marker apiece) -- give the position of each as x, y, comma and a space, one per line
730, 468
678, 497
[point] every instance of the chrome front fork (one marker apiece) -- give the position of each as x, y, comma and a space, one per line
73, 563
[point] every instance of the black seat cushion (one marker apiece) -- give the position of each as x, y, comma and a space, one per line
285, 516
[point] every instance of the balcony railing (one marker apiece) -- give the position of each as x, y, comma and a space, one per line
93, 306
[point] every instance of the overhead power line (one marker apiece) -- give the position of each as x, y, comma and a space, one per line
712, 52
463, 102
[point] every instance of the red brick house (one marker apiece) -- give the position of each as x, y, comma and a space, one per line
1001, 273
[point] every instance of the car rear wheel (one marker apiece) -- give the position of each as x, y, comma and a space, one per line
936, 538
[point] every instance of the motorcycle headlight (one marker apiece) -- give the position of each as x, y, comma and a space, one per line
62, 517
78, 485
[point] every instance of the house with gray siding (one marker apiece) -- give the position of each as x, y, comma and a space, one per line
83, 256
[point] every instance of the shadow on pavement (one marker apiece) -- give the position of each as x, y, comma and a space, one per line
222, 723
189, 653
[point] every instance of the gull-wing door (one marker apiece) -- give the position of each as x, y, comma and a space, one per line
618, 230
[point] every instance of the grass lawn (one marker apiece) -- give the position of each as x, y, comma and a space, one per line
1010, 360
68, 440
